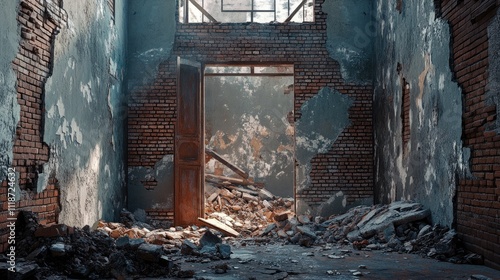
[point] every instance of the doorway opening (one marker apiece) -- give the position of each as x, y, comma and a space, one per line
249, 144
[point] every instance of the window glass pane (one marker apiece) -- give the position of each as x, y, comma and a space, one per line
263, 4
226, 69
309, 11
282, 10
242, 10
263, 17
285, 69
195, 14
237, 5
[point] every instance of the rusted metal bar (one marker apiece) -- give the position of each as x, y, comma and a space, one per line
231, 166
203, 11
295, 11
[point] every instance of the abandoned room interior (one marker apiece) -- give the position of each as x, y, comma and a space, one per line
163, 138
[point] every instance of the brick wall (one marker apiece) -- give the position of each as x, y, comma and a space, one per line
478, 205
348, 165
304, 46
405, 114
33, 64
151, 118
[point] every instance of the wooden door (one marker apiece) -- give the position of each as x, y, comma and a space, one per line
189, 152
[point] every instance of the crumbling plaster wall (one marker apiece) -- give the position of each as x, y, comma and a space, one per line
85, 113
428, 170
351, 31
151, 30
340, 174
325, 117
9, 108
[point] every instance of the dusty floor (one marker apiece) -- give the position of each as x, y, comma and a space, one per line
295, 262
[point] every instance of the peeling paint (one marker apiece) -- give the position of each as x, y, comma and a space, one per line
76, 134
323, 119
83, 124
151, 29
351, 34
162, 195
427, 170
421, 81
9, 108
86, 90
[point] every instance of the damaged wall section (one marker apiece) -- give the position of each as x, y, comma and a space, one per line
9, 108
151, 93
475, 29
85, 111
69, 82
32, 40
327, 153
152, 108
351, 31
428, 171
305, 46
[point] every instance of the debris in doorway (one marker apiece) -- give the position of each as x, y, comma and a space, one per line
220, 226
231, 166
245, 209
223, 180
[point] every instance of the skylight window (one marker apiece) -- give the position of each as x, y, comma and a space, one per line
263, 11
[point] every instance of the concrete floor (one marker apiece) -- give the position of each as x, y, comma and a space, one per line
295, 262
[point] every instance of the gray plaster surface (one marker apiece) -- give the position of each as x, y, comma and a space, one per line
151, 29
85, 113
427, 169
9, 108
162, 196
323, 119
351, 31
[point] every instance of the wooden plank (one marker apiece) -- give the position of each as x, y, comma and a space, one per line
289, 18
220, 227
203, 11
243, 190
221, 179
231, 166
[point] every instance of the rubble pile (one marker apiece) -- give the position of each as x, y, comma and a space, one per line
400, 227
246, 211
113, 250
130, 228
134, 248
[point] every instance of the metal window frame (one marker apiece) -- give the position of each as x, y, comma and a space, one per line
251, 11
252, 70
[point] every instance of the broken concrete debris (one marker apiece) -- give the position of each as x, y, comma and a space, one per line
132, 248
63, 251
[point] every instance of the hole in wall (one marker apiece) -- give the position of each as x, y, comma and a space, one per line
249, 139
399, 6
405, 115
